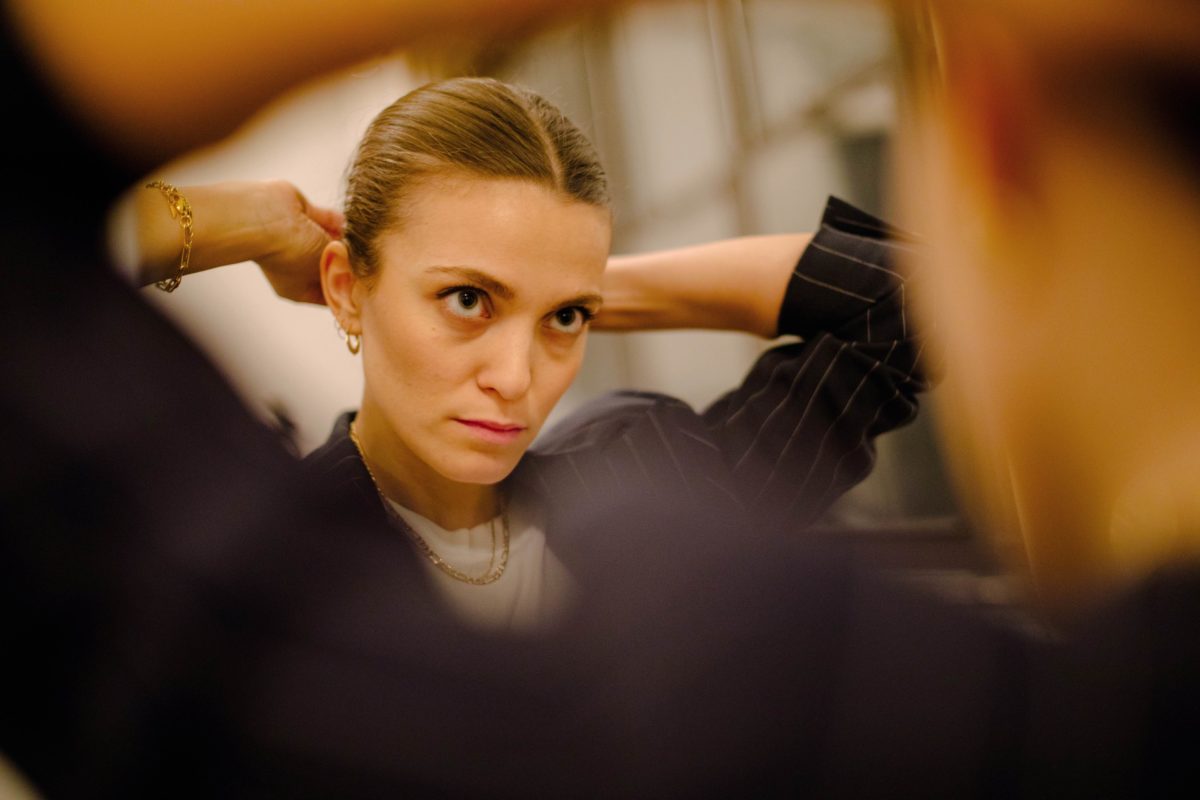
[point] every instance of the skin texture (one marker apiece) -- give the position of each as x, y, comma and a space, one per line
473, 315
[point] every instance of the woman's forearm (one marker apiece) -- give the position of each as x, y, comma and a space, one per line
733, 284
269, 222
228, 226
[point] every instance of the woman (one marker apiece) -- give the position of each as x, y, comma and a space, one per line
472, 264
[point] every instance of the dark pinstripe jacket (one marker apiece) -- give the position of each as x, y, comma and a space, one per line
777, 450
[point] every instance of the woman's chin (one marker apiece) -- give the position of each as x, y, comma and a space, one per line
478, 469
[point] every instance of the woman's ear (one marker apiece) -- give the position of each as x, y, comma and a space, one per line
341, 287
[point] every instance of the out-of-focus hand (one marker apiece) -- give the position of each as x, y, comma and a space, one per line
105, 59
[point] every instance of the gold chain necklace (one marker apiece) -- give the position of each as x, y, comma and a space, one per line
494, 570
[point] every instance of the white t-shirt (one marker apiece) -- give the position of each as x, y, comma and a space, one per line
535, 588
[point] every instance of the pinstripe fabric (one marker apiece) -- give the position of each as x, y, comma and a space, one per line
778, 449
799, 431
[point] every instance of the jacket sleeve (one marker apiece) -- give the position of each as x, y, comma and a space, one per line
798, 432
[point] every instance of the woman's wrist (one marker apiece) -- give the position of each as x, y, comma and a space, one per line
242, 221
232, 222
633, 300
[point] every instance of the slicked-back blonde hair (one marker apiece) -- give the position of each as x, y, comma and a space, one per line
477, 126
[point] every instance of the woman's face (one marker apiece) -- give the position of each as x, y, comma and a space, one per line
475, 323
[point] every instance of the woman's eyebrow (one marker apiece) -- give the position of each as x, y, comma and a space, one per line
591, 301
480, 279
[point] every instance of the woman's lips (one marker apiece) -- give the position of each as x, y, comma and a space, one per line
495, 432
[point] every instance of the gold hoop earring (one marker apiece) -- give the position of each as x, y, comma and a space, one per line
353, 340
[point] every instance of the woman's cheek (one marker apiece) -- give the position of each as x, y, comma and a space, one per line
563, 369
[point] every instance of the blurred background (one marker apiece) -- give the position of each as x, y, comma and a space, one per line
715, 118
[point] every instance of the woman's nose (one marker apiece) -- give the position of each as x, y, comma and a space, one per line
507, 367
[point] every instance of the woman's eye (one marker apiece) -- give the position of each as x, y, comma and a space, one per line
466, 303
569, 320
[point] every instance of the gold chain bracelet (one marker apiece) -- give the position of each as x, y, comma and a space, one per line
181, 210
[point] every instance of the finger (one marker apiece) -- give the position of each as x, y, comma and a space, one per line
332, 221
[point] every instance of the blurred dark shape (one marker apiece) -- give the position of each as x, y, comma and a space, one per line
282, 423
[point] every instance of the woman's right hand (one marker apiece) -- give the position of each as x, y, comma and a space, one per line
302, 230
269, 222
